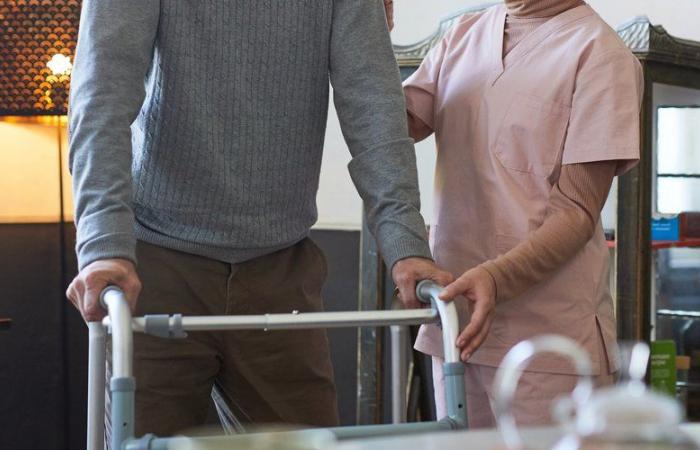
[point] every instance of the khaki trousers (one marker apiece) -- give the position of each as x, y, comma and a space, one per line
280, 376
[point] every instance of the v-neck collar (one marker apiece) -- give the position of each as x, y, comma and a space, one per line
501, 64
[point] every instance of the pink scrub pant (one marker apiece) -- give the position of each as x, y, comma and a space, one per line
533, 399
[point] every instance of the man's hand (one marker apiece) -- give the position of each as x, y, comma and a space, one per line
389, 6
84, 292
478, 286
408, 272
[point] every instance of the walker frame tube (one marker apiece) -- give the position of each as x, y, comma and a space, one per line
96, 386
399, 373
453, 369
341, 319
122, 384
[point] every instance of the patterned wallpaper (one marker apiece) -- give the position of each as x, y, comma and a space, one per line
32, 32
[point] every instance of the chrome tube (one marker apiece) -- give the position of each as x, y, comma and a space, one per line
119, 321
399, 372
298, 320
96, 386
430, 291
122, 384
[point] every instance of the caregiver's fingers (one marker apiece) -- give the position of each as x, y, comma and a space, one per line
476, 323
474, 344
460, 286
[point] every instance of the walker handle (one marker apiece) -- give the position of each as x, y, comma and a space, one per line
427, 290
106, 292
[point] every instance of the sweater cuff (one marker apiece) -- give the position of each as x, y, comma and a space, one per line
499, 280
395, 251
109, 246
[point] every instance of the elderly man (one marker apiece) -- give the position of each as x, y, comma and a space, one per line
196, 134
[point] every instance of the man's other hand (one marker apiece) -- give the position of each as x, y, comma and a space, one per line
84, 292
408, 272
389, 6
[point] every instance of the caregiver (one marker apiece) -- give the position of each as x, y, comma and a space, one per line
535, 109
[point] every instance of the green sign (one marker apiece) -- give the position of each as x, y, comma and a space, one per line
663, 367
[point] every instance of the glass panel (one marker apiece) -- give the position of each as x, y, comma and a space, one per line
676, 195
678, 140
678, 292
678, 278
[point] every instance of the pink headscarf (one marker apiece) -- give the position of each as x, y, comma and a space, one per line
539, 8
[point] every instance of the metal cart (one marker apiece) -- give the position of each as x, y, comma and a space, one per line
122, 384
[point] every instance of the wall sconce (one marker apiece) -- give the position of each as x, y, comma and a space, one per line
37, 42
60, 67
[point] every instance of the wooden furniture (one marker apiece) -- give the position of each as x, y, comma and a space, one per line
666, 61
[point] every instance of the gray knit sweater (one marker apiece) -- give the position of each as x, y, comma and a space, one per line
198, 125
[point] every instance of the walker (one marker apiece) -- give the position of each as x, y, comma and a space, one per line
122, 384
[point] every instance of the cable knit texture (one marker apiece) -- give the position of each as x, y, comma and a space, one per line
227, 132
525, 16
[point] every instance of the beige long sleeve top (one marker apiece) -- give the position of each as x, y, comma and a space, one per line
575, 204
572, 216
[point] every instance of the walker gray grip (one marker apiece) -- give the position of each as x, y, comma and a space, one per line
425, 289
159, 325
455, 395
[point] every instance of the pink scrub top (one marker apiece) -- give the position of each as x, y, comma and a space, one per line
569, 93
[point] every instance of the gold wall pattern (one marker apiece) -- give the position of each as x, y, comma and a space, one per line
31, 33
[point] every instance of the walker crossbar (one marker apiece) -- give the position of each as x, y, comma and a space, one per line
173, 325
122, 385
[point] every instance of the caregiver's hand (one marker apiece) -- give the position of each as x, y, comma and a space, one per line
389, 6
84, 292
408, 272
477, 286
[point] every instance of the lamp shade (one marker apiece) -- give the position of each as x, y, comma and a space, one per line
36, 36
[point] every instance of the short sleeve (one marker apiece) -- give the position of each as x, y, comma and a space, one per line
421, 87
604, 123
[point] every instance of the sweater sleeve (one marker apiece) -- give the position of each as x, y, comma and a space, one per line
572, 217
372, 112
114, 53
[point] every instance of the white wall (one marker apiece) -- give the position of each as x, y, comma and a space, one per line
416, 19
339, 205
